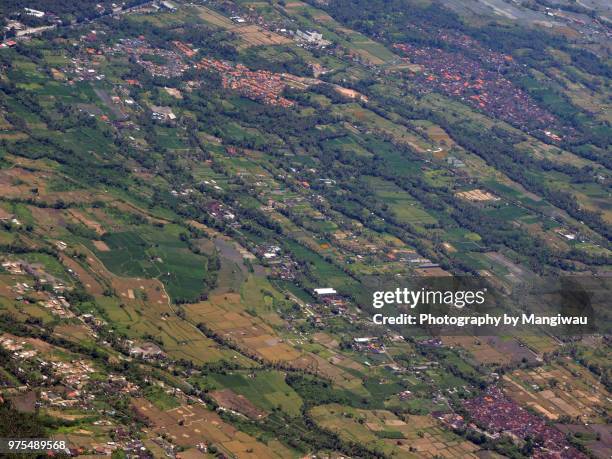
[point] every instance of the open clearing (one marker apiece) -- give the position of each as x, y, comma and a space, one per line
482, 351
101, 246
556, 391
251, 35
188, 425
230, 400
393, 435
266, 390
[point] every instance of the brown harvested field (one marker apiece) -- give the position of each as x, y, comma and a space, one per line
477, 196
431, 272
153, 288
482, 351
61, 415
197, 424
73, 332
18, 183
402, 67
251, 35
92, 285
291, 5
48, 220
568, 32
350, 93
439, 136
101, 246
278, 353
345, 362
57, 75
223, 314
344, 30
228, 399
87, 221
325, 339
214, 18
201, 226
13, 136
256, 36
557, 390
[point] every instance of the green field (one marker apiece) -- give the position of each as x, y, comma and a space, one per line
267, 390
147, 251
158, 397
346, 144
322, 269
405, 208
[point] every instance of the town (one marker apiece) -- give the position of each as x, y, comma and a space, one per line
199, 198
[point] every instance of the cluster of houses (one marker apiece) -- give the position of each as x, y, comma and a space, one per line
184, 48
260, 85
478, 83
284, 268
499, 415
162, 114
268, 251
331, 299
81, 69
220, 211
311, 38
66, 384
158, 62
75, 374
147, 351
18, 348
371, 344
13, 267
59, 306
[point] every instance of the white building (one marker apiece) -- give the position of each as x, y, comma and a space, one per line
168, 6
309, 36
325, 291
35, 13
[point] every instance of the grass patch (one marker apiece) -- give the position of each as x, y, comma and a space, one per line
158, 397
153, 252
267, 390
